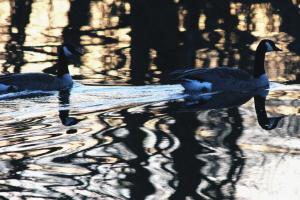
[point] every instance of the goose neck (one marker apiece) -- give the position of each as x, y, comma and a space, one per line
259, 65
260, 109
62, 65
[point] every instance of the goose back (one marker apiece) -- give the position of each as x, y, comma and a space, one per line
35, 81
221, 78
211, 75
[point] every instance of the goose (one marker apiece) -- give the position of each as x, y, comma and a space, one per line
226, 78
41, 81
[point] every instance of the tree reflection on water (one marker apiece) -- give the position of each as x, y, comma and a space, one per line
164, 35
215, 149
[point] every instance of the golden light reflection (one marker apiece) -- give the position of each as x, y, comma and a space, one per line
265, 23
205, 133
11, 156
38, 66
260, 20
181, 15
49, 18
58, 16
201, 22
284, 95
5, 11
43, 24
296, 2
235, 8
269, 149
72, 169
39, 23
285, 110
101, 17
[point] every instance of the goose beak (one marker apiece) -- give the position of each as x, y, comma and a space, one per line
80, 51
75, 58
277, 49
273, 122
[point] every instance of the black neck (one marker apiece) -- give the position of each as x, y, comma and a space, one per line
261, 113
259, 66
62, 64
267, 123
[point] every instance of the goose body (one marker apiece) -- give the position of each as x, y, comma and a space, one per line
42, 81
226, 78
37, 81
220, 79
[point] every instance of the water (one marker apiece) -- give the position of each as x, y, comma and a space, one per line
123, 132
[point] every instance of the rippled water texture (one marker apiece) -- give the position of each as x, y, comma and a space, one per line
123, 132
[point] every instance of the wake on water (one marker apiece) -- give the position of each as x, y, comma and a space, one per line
90, 98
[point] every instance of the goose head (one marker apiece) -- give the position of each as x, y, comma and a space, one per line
67, 53
263, 47
268, 46
271, 123
71, 52
66, 120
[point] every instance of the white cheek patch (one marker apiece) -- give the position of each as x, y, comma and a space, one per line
67, 51
269, 47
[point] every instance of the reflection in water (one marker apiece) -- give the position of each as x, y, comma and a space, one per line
262, 118
148, 142
227, 137
188, 34
167, 150
234, 99
64, 100
152, 29
19, 21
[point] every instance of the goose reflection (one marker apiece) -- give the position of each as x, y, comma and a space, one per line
194, 102
200, 155
267, 123
64, 101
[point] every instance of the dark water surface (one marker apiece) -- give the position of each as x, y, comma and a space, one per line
123, 132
